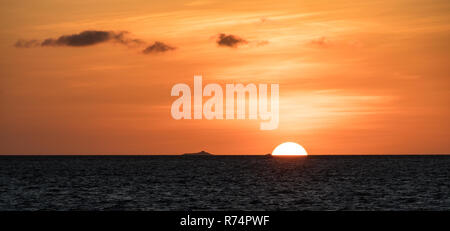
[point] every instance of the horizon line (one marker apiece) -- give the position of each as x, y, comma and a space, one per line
267, 154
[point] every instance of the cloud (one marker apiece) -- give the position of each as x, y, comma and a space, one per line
262, 43
21, 43
324, 42
263, 20
321, 42
84, 38
199, 3
230, 40
93, 37
157, 47
123, 39
87, 38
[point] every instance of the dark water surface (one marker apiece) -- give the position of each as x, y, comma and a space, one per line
225, 183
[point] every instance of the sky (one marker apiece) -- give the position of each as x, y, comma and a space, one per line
94, 77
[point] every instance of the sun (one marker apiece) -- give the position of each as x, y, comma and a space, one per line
289, 149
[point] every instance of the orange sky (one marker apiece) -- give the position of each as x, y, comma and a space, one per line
356, 77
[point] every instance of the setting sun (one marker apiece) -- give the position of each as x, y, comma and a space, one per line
289, 149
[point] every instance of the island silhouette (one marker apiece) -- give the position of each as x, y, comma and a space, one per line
205, 153
202, 153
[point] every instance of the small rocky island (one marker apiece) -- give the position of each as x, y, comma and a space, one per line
202, 153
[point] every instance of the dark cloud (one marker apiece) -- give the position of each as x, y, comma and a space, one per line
230, 40
93, 37
157, 47
84, 38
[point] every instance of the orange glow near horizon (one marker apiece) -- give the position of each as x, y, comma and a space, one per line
364, 77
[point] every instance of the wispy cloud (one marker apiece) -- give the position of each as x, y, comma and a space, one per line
320, 42
325, 42
21, 43
199, 2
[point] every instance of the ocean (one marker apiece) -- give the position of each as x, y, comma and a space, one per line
224, 183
